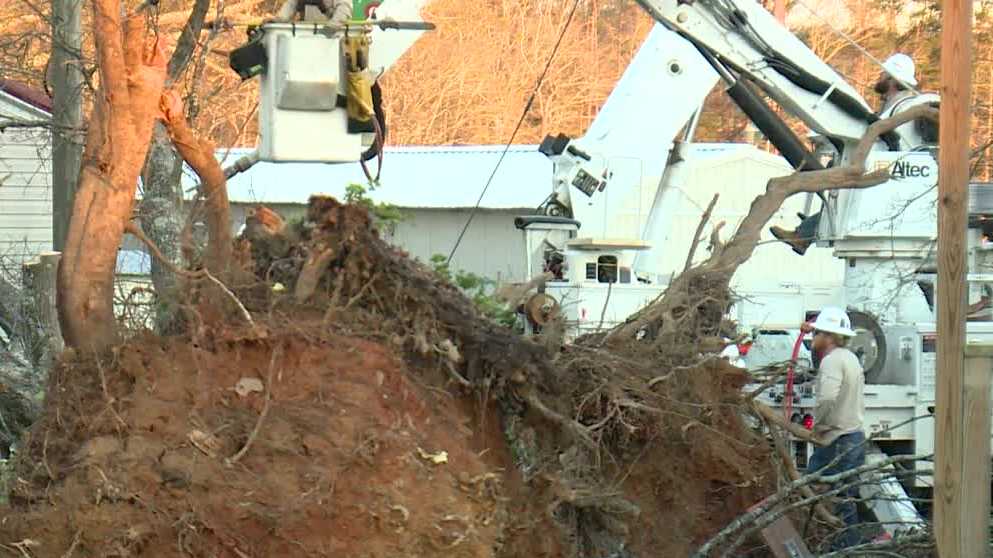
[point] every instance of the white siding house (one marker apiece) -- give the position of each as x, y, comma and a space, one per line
25, 175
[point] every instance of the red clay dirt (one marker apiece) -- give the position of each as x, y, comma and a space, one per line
343, 463
344, 427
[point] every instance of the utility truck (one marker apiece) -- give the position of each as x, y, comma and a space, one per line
608, 265
883, 237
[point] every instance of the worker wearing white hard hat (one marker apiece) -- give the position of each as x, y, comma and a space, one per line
896, 82
895, 85
839, 412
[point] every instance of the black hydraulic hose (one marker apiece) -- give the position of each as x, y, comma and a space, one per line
789, 70
773, 127
767, 121
805, 80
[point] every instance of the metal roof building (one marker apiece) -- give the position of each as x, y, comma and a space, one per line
445, 177
435, 189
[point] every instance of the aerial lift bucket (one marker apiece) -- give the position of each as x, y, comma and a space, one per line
315, 101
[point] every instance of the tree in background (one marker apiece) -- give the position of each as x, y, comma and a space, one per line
477, 96
161, 209
130, 96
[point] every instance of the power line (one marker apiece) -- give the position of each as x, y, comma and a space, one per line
855, 44
527, 108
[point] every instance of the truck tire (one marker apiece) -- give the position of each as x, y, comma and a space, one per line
865, 323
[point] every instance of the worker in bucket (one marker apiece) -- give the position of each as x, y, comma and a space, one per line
363, 101
337, 11
895, 85
838, 415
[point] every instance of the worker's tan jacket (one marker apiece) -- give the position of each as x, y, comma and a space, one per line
337, 11
840, 402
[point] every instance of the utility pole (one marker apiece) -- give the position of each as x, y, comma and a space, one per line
67, 114
955, 463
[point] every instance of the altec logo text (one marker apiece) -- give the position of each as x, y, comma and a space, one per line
905, 169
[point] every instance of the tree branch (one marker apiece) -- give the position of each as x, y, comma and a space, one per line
850, 176
773, 417
784, 455
7, 123
699, 231
199, 154
187, 41
113, 72
754, 514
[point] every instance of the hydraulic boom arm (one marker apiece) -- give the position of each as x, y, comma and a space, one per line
742, 39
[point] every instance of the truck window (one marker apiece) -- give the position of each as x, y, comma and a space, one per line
607, 269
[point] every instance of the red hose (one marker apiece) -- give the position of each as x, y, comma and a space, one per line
789, 376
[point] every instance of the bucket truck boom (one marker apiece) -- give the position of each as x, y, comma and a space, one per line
884, 235
627, 142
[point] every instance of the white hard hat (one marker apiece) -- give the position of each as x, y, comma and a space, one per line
901, 67
834, 320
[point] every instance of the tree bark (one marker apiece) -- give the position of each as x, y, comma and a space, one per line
161, 216
131, 81
67, 113
199, 154
39, 277
161, 209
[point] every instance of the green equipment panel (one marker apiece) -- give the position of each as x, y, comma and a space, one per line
362, 8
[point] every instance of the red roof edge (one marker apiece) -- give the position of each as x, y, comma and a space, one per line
34, 97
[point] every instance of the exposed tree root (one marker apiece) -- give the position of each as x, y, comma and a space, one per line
599, 417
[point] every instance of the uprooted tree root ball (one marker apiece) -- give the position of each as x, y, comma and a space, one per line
343, 400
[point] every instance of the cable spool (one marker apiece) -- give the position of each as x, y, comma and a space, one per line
541, 309
869, 344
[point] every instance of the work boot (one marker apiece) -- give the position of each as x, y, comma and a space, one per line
798, 244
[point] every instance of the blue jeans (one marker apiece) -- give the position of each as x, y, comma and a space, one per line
845, 453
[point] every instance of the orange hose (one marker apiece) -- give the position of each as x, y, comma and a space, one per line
789, 376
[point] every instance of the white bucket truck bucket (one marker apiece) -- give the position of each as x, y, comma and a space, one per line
302, 115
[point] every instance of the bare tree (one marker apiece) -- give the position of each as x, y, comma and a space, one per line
132, 77
132, 96
161, 209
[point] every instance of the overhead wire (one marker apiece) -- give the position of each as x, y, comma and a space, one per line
855, 44
517, 128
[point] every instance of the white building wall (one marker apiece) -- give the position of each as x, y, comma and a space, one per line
779, 284
492, 246
25, 185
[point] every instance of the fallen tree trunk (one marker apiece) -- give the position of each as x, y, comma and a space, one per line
697, 300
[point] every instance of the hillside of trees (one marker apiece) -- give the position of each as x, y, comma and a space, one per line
467, 82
